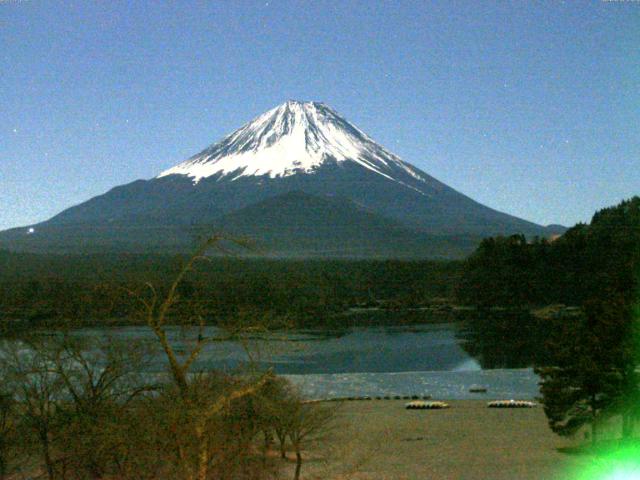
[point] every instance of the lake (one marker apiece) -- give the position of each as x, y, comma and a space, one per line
359, 361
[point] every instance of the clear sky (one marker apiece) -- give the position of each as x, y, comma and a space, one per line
532, 108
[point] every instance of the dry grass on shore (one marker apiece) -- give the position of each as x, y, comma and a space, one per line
382, 440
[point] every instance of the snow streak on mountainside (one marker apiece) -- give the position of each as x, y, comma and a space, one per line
295, 137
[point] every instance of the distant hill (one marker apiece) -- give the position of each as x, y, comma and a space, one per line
299, 224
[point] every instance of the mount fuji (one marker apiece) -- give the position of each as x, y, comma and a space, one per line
301, 181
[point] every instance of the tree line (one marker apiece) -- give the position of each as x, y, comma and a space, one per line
587, 358
42, 290
571, 269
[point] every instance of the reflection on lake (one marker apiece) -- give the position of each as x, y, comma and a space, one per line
508, 339
360, 349
420, 359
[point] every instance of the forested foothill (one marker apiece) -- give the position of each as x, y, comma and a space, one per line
583, 333
52, 290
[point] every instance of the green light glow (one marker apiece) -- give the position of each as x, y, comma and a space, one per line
623, 474
621, 463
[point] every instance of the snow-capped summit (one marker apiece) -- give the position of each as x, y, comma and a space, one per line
295, 137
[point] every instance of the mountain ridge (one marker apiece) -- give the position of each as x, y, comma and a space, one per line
295, 147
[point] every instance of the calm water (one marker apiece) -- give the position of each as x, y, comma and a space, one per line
424, 359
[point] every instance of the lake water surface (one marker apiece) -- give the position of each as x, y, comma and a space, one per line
372, 361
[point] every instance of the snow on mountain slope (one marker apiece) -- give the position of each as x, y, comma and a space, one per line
295, 137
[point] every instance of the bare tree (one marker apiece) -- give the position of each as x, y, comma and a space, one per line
310, 422
201, 412
38, 390
100, 380
70, 397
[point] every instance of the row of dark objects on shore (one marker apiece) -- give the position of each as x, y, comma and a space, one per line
378, 397
511, 404
473, 389
422, 405
420, 402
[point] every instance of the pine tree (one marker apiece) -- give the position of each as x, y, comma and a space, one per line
593, 373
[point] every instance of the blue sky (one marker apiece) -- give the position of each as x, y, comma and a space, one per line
532, 108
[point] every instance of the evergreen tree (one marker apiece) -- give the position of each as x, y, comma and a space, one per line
591, 372
581, 383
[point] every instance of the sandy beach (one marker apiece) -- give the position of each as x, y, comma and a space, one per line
383, 440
